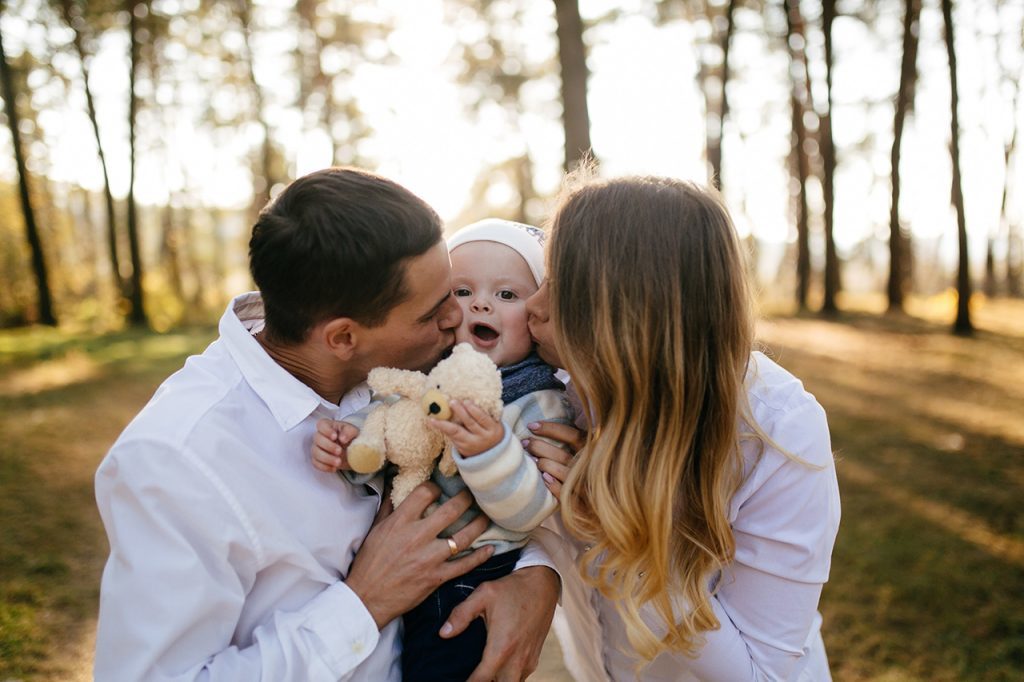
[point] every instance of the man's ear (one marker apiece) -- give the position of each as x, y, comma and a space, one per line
341, 336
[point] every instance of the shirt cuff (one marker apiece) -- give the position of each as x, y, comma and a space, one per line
343, 626
535, 553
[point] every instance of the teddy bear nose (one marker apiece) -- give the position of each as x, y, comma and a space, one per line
435, 404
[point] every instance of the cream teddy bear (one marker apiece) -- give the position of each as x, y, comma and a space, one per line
398, 429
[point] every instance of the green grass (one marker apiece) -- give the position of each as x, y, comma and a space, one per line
63, 400
927, 576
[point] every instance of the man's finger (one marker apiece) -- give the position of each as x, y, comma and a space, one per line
465, 564
468, 533
462, 615
421, 497
447, 513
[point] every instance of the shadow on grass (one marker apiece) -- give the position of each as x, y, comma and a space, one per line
927, 577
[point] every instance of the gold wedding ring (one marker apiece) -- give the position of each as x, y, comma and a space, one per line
453, 546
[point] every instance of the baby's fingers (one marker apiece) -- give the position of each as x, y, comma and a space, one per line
325, 461
326, 444
328, 428
473, 418
346, 433
447, 428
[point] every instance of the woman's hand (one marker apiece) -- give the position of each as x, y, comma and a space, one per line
554, 458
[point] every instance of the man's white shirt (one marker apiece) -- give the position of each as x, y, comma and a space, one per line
228, 548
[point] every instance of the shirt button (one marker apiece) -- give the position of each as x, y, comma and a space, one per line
357, 647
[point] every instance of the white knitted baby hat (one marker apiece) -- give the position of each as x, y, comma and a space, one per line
526, 240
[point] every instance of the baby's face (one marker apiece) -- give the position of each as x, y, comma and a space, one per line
491, 283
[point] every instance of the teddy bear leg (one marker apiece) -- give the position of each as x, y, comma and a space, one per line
405, 480
447, 463
366, 452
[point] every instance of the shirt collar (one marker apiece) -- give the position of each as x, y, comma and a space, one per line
289, 400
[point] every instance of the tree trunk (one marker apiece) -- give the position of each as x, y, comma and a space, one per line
800, 91
828, 153
904, 104
137, 316
573, 60
962, 325
45, 301
169, 242
715, 136
121, 284
261, 185
1011, 230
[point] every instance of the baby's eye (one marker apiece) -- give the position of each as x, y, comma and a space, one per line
461, 291
507, 295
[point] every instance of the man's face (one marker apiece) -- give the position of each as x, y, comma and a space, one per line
421, 328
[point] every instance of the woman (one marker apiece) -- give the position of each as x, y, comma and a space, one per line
702, 506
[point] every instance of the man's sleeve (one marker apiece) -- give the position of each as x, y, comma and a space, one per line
183, 559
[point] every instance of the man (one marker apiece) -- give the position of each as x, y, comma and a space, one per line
232, 557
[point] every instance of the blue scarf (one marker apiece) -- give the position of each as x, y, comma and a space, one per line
527, 376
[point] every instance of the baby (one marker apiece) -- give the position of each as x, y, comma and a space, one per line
496, 266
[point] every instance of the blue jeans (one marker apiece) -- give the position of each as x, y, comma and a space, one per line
428, 658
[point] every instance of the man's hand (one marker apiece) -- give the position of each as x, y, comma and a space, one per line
330, 444
471, 429
517, 610
402, 560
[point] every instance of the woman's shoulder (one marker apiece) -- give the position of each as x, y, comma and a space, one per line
786, 511
772, 388
786, 412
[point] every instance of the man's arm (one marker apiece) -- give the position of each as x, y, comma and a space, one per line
183, 563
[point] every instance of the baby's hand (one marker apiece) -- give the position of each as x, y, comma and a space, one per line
471, 429
330, 444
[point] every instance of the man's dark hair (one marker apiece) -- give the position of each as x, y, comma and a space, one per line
333, 244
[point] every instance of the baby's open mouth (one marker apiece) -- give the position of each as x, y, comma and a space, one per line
483, 332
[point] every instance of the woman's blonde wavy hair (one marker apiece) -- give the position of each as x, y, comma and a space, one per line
653, 321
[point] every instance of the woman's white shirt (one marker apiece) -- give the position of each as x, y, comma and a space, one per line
784, 516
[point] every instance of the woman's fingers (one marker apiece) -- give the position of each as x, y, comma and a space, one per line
572, 437
544, 450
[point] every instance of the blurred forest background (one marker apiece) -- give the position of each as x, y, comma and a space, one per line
143, 136
868, 150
